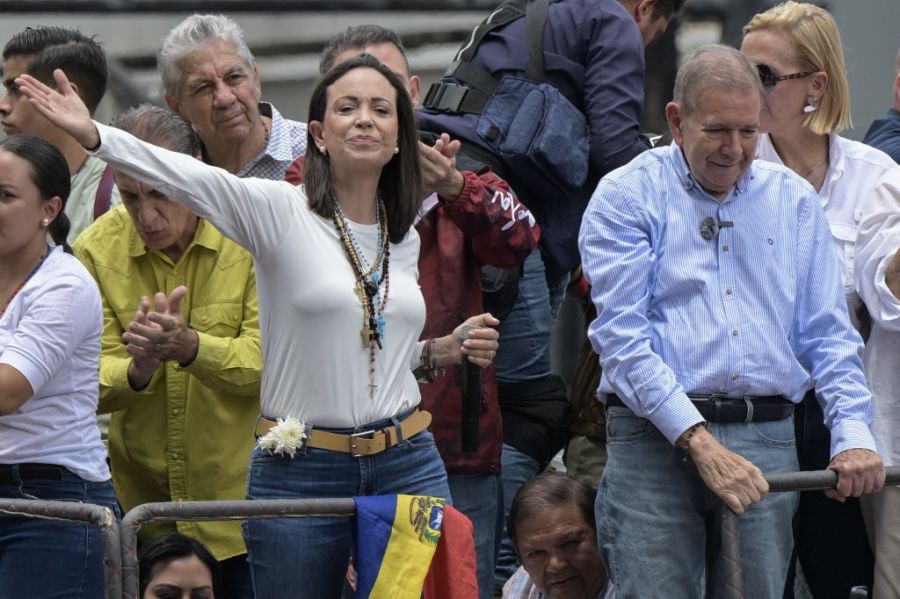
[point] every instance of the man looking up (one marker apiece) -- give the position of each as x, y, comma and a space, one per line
720, 302
552, 528
211, 79
37, 52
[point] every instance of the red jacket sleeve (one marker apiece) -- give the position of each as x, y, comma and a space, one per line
502, 229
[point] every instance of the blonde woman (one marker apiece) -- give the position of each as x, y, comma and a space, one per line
797, 50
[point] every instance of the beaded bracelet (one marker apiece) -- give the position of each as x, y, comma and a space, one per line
428, 368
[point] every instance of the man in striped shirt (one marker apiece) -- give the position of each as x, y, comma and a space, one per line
720, 303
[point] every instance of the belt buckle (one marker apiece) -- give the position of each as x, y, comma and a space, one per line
369, 435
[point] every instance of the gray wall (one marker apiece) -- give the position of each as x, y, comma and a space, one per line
870, 31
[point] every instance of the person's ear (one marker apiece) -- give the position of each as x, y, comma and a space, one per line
675, 119
51, 208
818, 84
171, 102
415, 86
316, 131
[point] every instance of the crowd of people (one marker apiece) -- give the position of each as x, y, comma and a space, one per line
362, 304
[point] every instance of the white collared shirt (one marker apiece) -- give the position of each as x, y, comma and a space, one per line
853, 170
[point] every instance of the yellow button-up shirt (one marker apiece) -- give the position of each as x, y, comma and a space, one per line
188, 435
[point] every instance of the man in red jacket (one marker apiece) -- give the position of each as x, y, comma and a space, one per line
470, 219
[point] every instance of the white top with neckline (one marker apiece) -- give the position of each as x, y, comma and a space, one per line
315, 367
50, 333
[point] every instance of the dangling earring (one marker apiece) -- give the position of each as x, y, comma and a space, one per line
396, 149
811, 104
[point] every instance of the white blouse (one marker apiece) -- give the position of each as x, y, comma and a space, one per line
879, 240
315, 366
51, 334
853, 169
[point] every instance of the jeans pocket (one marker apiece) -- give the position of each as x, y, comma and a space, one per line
54, 490
622, 426
776, 433
422, 440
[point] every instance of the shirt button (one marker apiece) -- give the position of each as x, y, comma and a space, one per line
204, 318
724, 248
728, 291
734, 377
734, 332
688, 183
175, 412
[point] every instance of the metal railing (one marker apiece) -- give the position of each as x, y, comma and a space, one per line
778, 483
69, 511
120, 539
215, 510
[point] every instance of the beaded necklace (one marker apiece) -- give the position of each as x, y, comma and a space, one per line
369, 280
22, 284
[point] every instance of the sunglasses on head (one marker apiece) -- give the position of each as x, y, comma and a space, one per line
770, 79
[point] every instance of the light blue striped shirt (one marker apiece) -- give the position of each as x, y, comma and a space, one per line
758, 309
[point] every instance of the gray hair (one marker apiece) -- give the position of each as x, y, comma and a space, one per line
714, 66
161, 127
188, 36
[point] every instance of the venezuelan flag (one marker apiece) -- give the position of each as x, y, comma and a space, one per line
396, 536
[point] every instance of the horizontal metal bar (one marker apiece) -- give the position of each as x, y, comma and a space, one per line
816, 480
216, 510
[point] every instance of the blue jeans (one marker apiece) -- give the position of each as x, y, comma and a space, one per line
53, 559
525, 333
651, 496
308, 557
478, 497
518, 469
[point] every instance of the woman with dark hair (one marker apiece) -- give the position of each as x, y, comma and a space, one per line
174, 566
797, 50
340, 310
50, 326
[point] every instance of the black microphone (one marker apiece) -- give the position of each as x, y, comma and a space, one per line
709, 227
471, 405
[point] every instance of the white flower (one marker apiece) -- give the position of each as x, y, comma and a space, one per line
285, 437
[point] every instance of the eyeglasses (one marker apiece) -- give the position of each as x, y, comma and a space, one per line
770, 79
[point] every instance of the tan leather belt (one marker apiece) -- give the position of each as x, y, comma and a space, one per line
364, 443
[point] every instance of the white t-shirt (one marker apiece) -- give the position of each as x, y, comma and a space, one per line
315, 365
51, 334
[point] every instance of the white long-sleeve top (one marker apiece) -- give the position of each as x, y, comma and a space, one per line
853, 169
315, 365
878, 241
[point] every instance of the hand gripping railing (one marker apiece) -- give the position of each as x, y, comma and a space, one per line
778, 483
71, 511
215, 510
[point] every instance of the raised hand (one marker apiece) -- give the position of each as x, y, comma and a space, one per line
439, 171
61, 106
